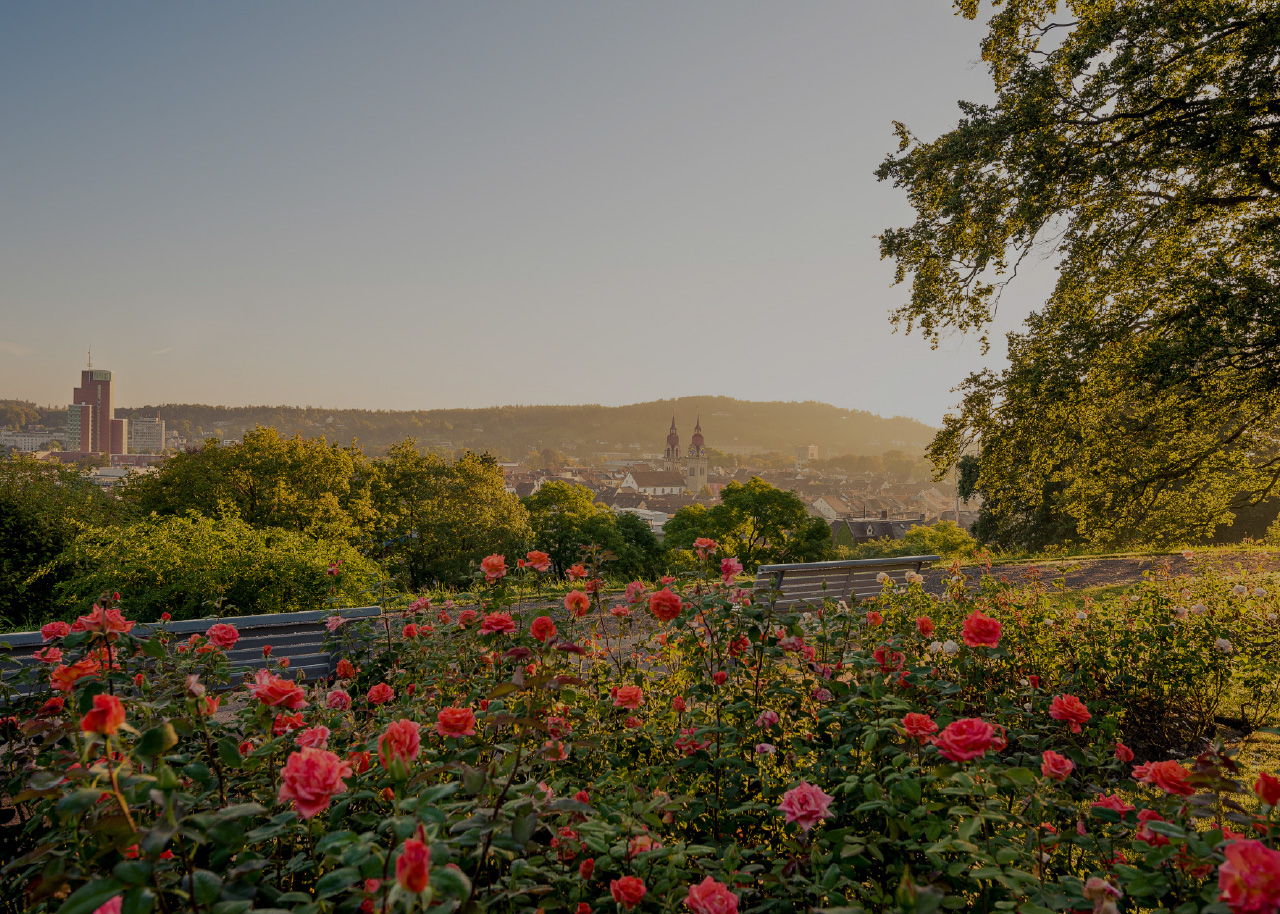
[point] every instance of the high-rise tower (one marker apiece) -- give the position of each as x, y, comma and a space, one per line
92, 427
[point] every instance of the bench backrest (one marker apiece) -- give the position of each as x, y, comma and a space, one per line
844, 579
298, 636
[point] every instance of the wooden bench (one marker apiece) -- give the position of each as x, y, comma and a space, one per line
298, 636
850, 580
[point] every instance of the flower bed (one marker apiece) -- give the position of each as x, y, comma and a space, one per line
983, 751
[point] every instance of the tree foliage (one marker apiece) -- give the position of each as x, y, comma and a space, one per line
757, 523
566, 518
1137, 144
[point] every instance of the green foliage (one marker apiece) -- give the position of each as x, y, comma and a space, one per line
1134, 142
566, 519
756, 522
432, 520
42, 508
944, 539
184, 564
299, 484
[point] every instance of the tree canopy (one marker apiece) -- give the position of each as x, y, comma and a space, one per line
1136, 144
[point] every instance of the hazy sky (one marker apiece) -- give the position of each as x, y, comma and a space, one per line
413, 205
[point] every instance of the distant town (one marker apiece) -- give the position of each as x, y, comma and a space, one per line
862, 497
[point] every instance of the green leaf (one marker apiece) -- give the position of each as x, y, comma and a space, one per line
229, 753
523, 827
133, 872
450, 881
153, 647
76, 802
91, 896
157, 740
337, 881
1023, 777
208, 886
138, 900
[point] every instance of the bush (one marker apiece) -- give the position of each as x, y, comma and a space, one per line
182, 565
945, 538
914, 754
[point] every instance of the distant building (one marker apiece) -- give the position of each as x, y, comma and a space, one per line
92, 427
29, 441
692, 465
805, 453
654, 482
146, 435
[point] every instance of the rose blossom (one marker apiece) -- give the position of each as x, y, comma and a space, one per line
345, 670
338, 700
1267, 788
105, 717
635, 592
924, 625
577, 603
629, 697
456, 722
311, 778
874, 618
497, 622
919, 726
966, 739
950, 647
494, 567
1249, 879
1123, 752
466, 617
223, 635
1168, 776
315, 737
106, 621
538, 561
730, 568
399, 746
766, 748
413, 866
980, 630
274, 691
1056, 767
55, 630
705, 546
711, 897
766, 719
1069, 708
112, 905
805, 805
1112, 801
627, 891
543, 628
665, 605
380, 694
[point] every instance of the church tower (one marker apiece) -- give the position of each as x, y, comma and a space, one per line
671, 456
695, 464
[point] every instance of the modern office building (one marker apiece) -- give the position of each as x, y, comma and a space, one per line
146, 435
92, 427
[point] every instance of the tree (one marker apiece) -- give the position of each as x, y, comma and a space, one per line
184, 564
566, 518
1137, 144
434, 520
300, 484
43, 506
755, 522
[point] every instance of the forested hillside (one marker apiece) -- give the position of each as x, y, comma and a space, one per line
511, 432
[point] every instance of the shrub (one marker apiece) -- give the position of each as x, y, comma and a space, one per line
945, 539
914, 754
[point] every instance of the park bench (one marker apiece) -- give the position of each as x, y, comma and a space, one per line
298, 636
849, 580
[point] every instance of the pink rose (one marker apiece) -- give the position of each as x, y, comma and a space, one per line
538, 561
274, 691
338, 700
730, 568
380, 694
805, 805
635, 592
711, 897
55, 630
1055, 767
919, 726
311, 778
1249, 879
766, 719
313, 737
1070, 709
980, 630
966, 739
494, 567
629, 697
497, 623
223, 635
399, 746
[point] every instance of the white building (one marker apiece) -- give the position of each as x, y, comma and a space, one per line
29, 441
146, 435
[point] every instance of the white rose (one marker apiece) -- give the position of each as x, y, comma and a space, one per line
1027, 706
881, 577
1082, 615
935, 647
1180, 612
950, 647
1199, 609
1259, 591
1223, 645
1047, 622
1239, 590
957, 580
1271, 617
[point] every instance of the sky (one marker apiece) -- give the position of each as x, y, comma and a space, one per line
401, 205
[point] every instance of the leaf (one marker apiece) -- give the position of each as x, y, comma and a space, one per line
91, 896
138, 900
523, 827
1023, 777
229, 753
208, 886
337, 881
450, 881
153, 647
157, 740
78, 801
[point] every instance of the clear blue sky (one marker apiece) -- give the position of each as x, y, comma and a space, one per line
412, 205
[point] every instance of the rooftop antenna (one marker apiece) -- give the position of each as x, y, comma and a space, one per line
90, 356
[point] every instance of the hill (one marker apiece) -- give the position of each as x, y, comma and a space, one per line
735, 426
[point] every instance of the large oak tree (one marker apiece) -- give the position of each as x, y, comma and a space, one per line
1135, 142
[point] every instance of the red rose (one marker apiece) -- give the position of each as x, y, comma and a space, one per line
924, 625
274, 691
1071, 709
629, 697
965, 739
1055, 767
380, 694
497, 622
345, 669
543, 628
105, 717
1169, 777
399, 746
711, 897
456, 722
980, 630
919, 726
311, 778
627, 891
1123, 752
413, 866
223, 635
1268, 789
665, 605
577, 603
586, 868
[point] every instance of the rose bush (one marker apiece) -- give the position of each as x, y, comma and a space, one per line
705, 751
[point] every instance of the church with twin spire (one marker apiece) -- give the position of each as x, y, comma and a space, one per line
692, 465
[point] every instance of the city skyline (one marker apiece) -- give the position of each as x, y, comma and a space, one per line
426, 207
